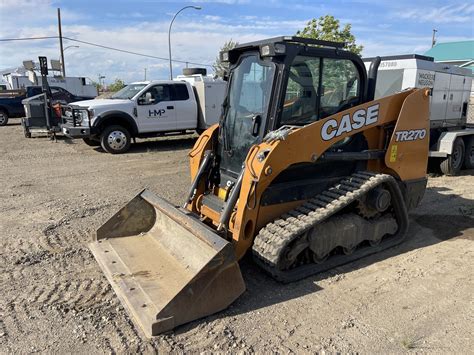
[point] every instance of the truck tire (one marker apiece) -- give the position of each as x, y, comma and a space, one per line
454, 161
469, 153
91, 142
3, 118
193, 71
115, 139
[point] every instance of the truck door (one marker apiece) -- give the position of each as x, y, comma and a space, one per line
185, 106
155, 110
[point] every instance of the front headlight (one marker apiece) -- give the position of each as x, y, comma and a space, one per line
81, 115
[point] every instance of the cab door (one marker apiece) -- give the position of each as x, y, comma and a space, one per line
155, 110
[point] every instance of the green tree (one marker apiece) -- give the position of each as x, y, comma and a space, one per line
116, 85
219, 67
327, 28
97, 85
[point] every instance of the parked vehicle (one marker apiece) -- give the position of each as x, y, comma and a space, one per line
11, 100
451, 136
146, 109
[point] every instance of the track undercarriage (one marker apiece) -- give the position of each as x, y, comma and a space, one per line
362, 215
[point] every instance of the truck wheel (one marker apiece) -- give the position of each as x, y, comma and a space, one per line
452, 164
115, 139
469, 153
3, 118
91, 142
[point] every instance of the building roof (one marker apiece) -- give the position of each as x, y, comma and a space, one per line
452, 51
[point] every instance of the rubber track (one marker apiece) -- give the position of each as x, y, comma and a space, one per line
272, 240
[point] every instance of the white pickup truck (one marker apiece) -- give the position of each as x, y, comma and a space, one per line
146, 109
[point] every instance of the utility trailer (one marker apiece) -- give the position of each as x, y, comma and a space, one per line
451, 136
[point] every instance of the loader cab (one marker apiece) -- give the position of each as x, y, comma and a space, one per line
283, 81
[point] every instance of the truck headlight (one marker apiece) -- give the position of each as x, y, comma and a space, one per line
81, 115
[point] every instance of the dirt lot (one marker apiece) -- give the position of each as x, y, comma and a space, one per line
54, 298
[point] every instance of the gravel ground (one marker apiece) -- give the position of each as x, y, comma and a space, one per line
416, 297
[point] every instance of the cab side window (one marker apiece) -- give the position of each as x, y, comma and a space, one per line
160, 93
317, 88
179, 92
155, 94
340, 86
301, 97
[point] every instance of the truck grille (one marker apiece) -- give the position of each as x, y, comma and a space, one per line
67, 116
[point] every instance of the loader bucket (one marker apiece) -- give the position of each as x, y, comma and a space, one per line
166, 267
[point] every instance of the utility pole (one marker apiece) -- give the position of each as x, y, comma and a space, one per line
101, 85
145, 73
63, 65
433, 39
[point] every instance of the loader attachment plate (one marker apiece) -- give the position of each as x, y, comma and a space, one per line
166, 267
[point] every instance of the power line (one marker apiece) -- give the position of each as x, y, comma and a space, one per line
26, 38
131, 52
105, 47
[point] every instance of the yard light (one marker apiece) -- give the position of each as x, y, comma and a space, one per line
169, 35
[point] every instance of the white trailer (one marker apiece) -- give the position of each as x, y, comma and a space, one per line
78, 86
451, 136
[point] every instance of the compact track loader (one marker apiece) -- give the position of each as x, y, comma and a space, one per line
305, 170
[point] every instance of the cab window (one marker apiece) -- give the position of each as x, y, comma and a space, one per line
180, 92
155, 94
340, 86
301, 97
317, 88
160, 93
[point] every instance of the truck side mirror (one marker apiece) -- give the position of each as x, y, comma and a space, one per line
146, 99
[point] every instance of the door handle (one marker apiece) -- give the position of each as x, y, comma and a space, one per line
170, 107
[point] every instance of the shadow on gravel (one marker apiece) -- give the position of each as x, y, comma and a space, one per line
263, 291
164, 145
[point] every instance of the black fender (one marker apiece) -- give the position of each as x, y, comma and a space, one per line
117, 117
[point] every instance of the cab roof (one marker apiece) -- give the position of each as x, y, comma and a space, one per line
155, 82
291, 40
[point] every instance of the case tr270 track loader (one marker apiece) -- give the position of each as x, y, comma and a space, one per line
305, 169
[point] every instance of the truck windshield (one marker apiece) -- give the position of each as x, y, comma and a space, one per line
247, 102
128, 91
